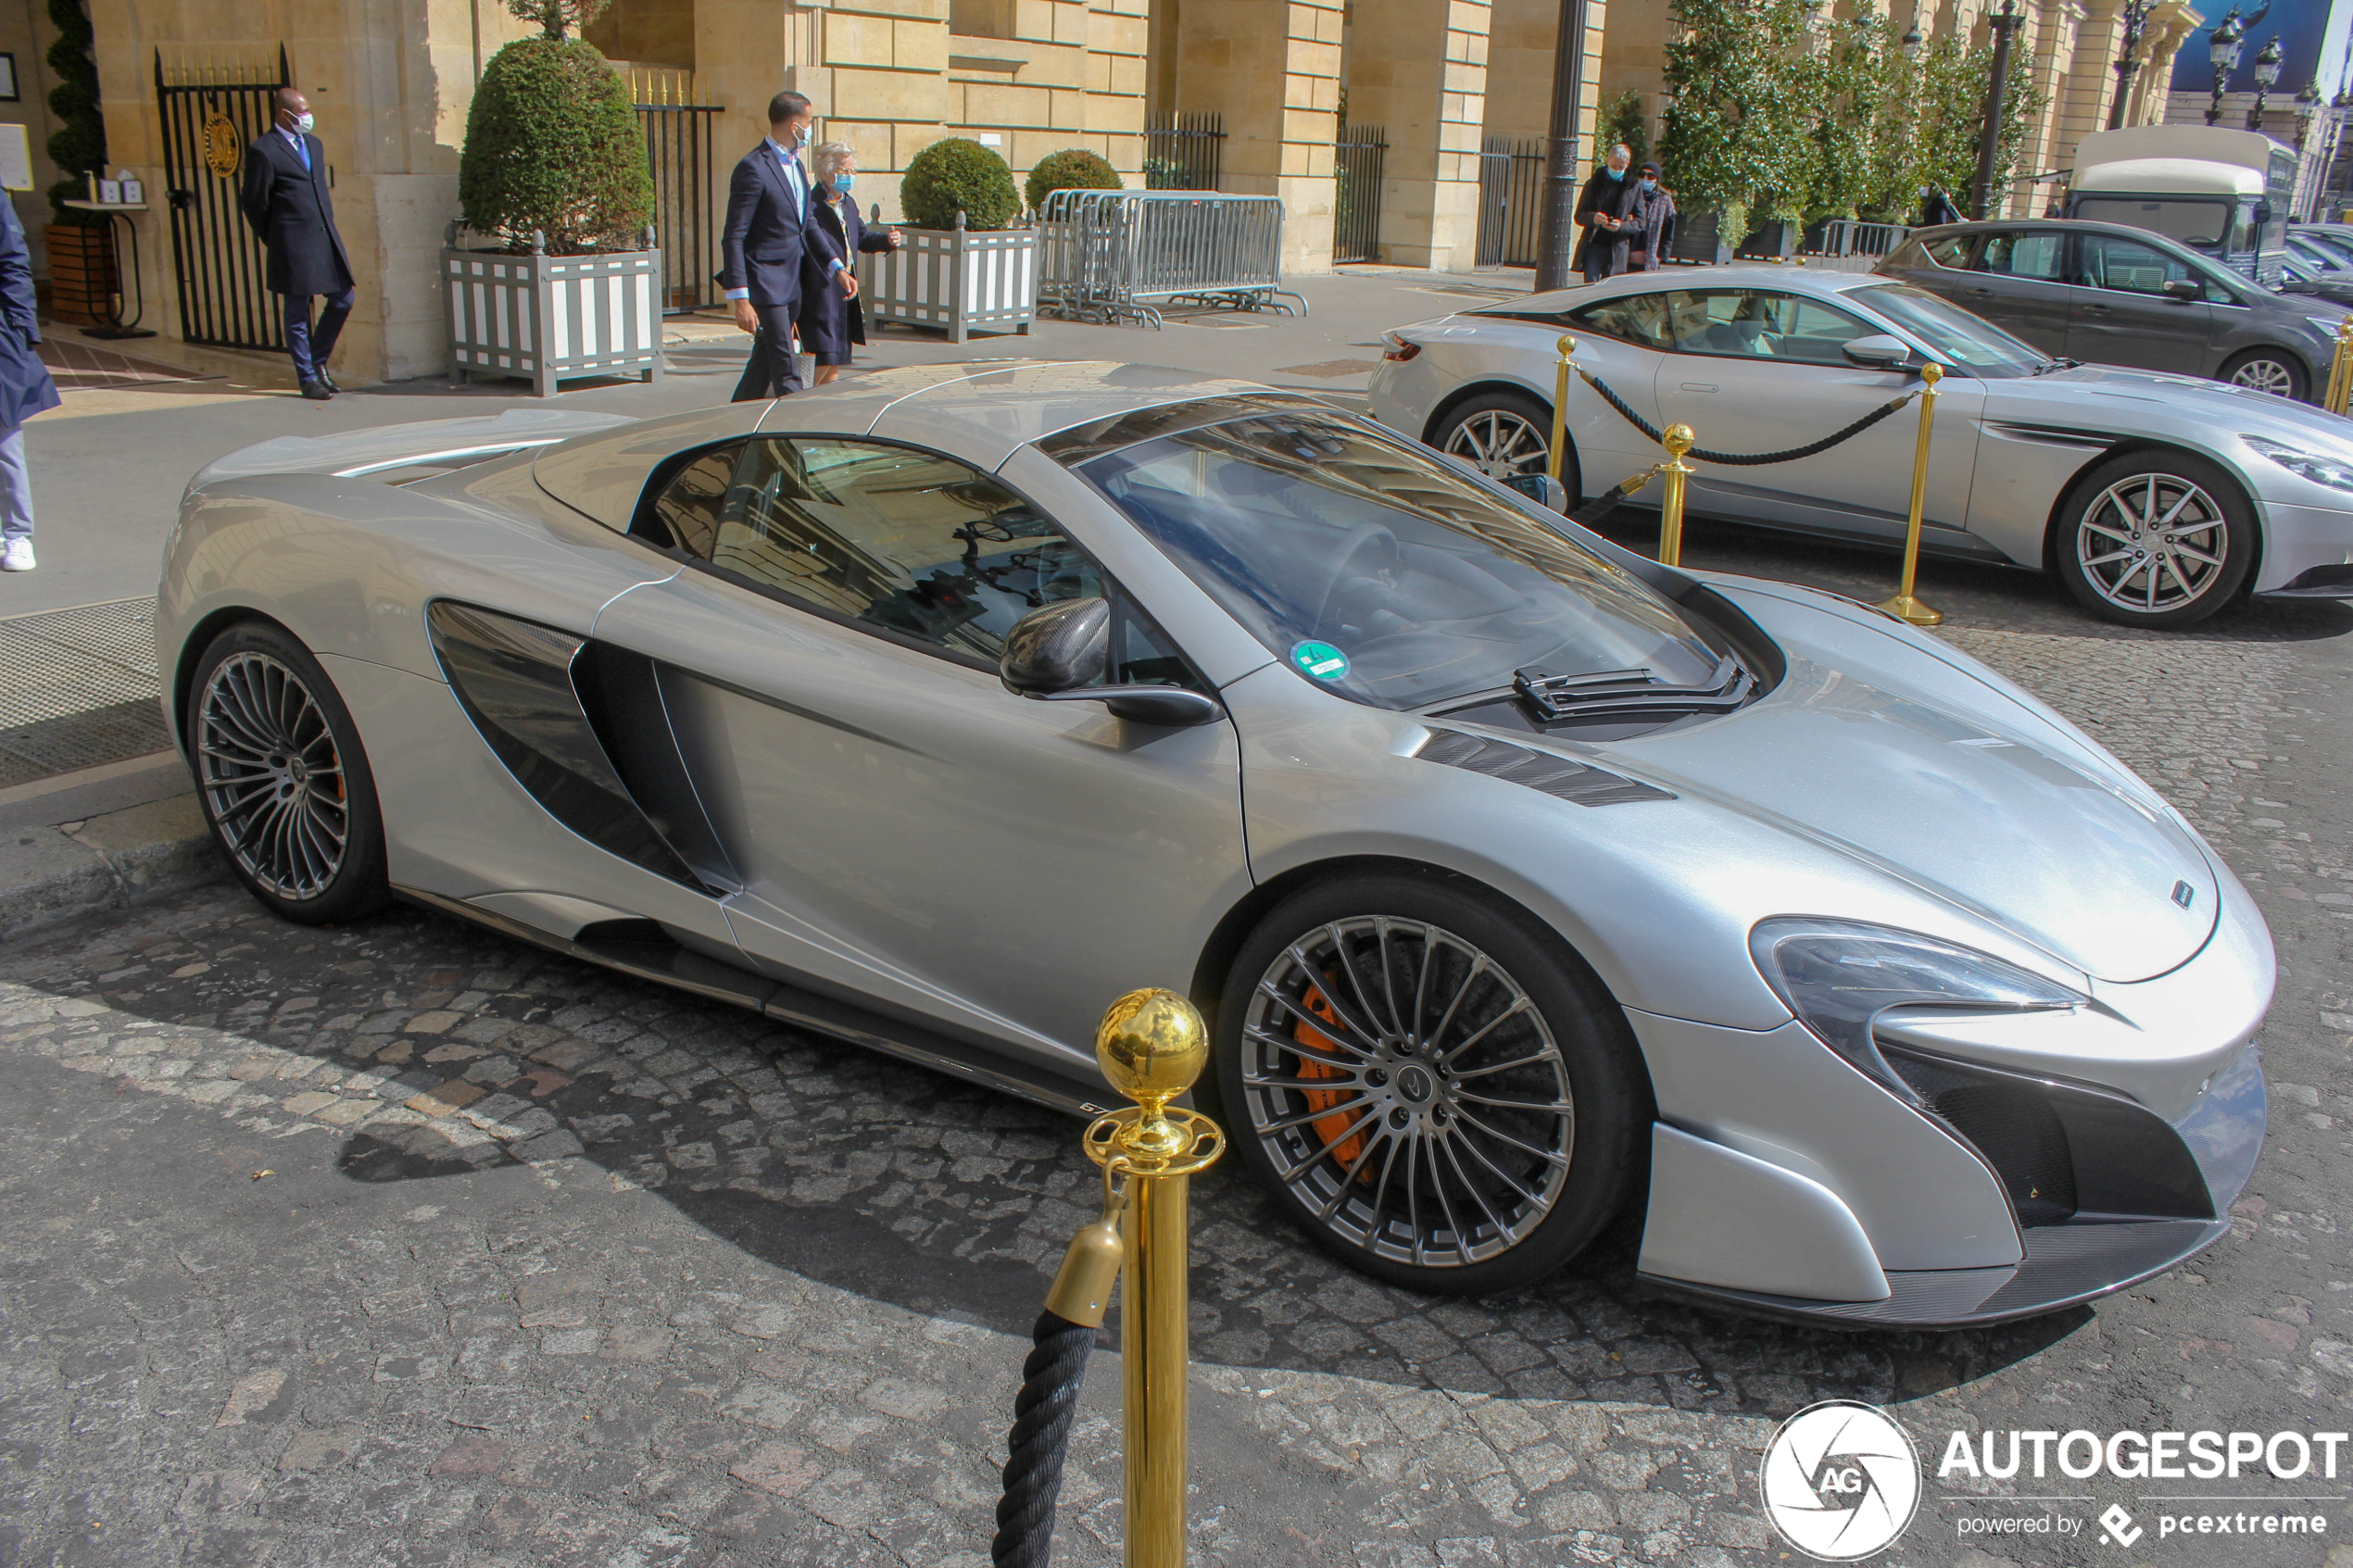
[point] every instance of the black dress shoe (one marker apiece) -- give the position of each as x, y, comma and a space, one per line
317, 390
327, 381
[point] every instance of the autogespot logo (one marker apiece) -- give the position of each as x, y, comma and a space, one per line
1841, 1480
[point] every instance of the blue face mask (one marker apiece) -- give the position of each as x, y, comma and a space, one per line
844, 182
1616, 174
1650, 184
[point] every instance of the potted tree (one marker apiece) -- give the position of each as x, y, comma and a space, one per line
82, 282
962, 268
554, 178
1073, 169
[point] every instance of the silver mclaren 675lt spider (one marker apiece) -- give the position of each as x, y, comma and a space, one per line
1522, 879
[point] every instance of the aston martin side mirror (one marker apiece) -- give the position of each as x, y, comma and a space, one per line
1062, 653
1542, 489
1879, 351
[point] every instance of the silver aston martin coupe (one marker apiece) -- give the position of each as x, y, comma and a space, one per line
2155, 499
1522, 878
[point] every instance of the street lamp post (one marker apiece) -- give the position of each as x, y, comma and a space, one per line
2223, 49
2005, 24
1557, 240
2267, 76
2128, 58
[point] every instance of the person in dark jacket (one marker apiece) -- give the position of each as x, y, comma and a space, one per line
284, 197
25, 390
1604, 211
831, 317
760, 245
1937, 207
1651, 229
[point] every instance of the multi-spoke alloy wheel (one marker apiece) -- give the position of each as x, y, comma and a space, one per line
2156, 538
2267, 373
277, 769
1408, 1083
1500, 442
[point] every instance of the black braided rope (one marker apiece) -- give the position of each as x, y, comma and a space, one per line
1043, 1413
1608, 501
1745, 459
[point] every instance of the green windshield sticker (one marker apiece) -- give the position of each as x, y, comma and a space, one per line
1320, 659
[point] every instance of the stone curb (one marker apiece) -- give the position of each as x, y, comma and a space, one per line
52, 876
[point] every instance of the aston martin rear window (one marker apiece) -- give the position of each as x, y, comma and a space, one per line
1378, 571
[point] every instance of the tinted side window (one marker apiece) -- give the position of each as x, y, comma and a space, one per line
682, 510
2036, 254
1953, 252
2112, 263
1639, 319
1753, 323
902, 541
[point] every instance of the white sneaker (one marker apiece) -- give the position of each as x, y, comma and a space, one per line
18, 556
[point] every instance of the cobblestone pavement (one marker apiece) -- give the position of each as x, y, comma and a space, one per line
409, 1244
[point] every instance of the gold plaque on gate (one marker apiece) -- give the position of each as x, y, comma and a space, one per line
222, 148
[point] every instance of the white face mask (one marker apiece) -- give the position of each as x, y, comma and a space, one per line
302, 122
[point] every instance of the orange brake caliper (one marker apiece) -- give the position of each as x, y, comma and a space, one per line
1329, 1128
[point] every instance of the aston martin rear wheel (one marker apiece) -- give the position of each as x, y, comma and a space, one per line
283, 782
1433, 1089
2157, 539
1505, 435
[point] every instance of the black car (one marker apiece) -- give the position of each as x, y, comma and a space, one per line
2109, 294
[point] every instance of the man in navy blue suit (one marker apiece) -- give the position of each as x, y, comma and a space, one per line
25, 390
284, 197
760, 248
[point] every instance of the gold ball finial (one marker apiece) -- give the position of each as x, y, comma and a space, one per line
2345, 328
1568, 344
1152, 1045
1677, 440
1931, 373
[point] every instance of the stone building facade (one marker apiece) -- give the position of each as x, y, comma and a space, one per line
391, 81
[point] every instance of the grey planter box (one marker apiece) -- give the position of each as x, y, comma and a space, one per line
551, 318
959, 280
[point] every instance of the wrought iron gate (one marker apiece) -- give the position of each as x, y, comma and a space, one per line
212, 113
1182, 151
686, 207
1511, 192
1356, 160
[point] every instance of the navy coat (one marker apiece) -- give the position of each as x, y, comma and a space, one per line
829, 323
760, 248
25, 387
289, 208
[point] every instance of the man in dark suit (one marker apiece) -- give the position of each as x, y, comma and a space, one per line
1605, 211
25, 390
286, 199
760, 248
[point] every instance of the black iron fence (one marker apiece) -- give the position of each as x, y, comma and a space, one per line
1182, 151
686, 210
212, 111
1356, 164
1511, 196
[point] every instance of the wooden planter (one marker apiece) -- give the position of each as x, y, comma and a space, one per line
82, 279
548, 318
1699, 238
960, 281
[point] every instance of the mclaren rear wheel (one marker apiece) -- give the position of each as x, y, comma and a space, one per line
282, 777
1434, 1090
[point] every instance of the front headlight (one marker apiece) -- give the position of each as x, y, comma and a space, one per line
2334, 472
1839, 975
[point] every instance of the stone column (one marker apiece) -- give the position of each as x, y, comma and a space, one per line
1418, 70
1271, 69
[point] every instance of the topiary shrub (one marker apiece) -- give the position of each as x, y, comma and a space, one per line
958, 175
552, 145
1073, 169
79, 144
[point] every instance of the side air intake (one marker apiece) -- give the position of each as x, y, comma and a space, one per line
1557, 776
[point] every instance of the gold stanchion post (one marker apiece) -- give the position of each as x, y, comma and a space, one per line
1677, 440
1903, 606
1151, 1046
1560, 407
2340, 369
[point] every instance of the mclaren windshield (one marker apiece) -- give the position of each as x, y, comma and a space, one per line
1376, 570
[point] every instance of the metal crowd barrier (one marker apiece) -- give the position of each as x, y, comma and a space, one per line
1112, 256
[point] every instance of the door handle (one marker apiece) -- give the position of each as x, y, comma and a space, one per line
1982, 294
2095, 304
1697, 386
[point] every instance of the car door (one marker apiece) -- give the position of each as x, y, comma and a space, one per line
2121, 314
900, 828
1762, 370
2018, 282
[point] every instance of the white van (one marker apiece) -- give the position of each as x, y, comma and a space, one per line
2227, 192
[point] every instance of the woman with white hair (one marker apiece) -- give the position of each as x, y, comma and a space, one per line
831, 318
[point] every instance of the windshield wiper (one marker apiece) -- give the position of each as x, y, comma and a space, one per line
1618, 692
2061, 363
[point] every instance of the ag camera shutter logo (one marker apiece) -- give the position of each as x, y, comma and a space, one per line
1840, 1480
